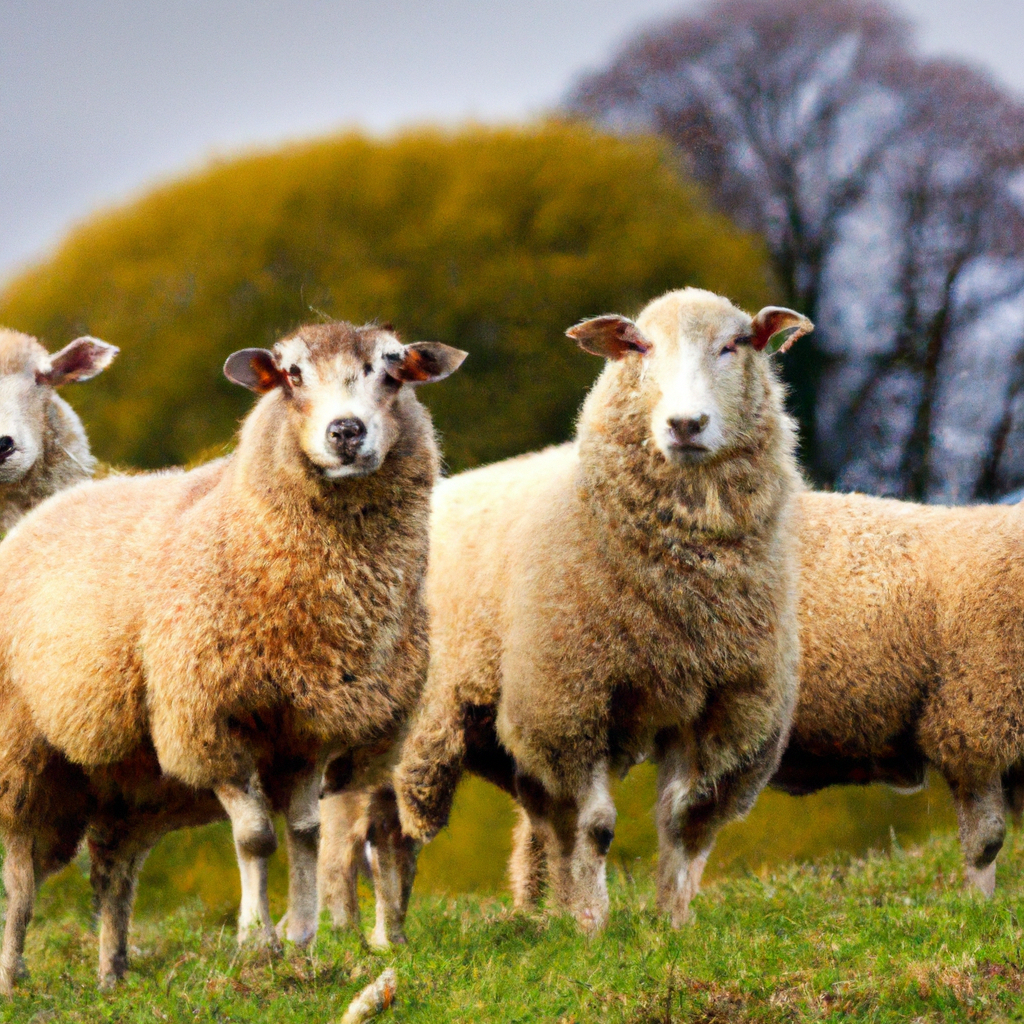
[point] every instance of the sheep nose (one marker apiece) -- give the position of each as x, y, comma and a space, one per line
6, 448
687, 428
346, 435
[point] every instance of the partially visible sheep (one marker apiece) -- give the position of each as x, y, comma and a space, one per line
228, 629
43, 448
912, 634
631, 594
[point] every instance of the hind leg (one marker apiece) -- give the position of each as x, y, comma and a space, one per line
981, 815
392, 857
114, 874
302, 835
527, 868
20, 883
343, 854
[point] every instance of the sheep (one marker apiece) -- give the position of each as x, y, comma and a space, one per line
911, 640
43, 447
912, 630
630, 594
227, 630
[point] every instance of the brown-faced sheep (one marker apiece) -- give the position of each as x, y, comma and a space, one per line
912, 634
631, 594
43, 448
227, 629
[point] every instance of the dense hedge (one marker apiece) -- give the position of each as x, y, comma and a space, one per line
493, 240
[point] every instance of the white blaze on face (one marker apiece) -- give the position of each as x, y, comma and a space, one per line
342, 393
697, 372
22, 417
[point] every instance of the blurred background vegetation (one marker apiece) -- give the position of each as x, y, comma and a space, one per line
495, 241
492, 240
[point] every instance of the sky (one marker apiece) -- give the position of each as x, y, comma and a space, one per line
101, 98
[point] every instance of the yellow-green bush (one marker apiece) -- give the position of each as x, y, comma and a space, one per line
493, 240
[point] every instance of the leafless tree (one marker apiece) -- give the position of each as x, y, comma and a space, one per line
889, 192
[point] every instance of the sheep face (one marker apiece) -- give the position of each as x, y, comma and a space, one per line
697, 354
28, 375
342, 384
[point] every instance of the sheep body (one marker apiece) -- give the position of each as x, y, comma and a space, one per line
230, 628
913, 653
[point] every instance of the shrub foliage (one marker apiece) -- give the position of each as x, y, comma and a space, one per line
492, 240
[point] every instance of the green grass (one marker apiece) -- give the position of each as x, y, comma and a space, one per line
891, 937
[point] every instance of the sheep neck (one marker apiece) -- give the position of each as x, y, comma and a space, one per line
659, 524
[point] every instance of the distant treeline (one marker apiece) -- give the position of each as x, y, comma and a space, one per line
492, 240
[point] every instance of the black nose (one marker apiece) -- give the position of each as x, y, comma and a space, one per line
346, 435
6, 447
687, 429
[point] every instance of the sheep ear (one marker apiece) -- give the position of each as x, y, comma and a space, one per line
424, 362
81, 360
610, 337
255, 369
777, 329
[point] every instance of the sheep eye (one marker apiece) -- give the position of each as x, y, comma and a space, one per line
367, 369
727, 348
295, 374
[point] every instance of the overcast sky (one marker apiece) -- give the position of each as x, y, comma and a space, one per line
99, 98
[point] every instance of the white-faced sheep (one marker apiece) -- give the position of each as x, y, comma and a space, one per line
631, 594
43, 448
912, 654
227, 629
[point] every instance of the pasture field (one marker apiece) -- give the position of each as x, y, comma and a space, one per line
889, 937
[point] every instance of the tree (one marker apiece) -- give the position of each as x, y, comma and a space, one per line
495, 241
887, 189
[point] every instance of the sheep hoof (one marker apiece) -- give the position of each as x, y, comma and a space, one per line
381, 940
983, 879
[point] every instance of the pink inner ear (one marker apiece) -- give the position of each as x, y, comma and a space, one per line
70, 364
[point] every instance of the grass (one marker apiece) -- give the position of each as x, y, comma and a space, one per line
890, 937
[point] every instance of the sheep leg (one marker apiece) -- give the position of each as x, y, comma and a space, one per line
688, 818
342, 854
679, 868
981, 815
527, 866
433, 760
302, 838
577, 833
255, 841
114, 874
20, 883
392, 858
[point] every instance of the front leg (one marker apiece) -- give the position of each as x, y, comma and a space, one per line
527, 867
576, 832
690, 812
255, 842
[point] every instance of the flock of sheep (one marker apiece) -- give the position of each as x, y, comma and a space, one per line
263, 634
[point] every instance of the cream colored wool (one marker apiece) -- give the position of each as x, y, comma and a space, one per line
599, 602
912, 632
231, 627
52, 450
